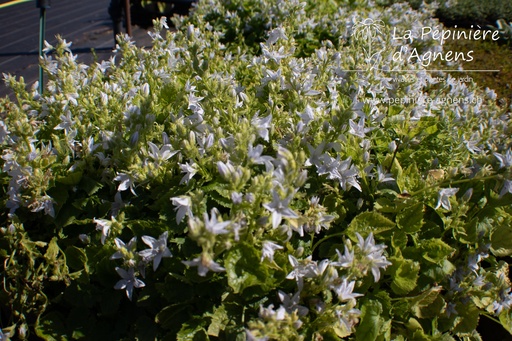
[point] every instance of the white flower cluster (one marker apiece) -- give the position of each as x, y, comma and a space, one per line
136, 261
316, 276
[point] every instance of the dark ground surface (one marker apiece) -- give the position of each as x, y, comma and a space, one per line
84, 23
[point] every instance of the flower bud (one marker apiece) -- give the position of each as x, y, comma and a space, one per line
84, 238
467, 196
366, 157
365, 144
360, 203
22, 331
227, 171
262, 221
190, 31
302, 178
104, 98
392, 146
452, 171
236, 197
192, 138
134, 138
145, 89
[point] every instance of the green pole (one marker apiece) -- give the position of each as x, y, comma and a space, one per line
42, 5
42, 22
128, 17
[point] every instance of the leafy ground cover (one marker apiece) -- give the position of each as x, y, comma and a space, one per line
472, 12
465, 13
267, 171
489, 55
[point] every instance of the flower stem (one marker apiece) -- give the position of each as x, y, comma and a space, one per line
339, 234
456, 182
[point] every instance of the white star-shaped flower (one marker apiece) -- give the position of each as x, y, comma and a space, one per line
345, 290
128, 281
204, 264
103, 225
183, 207
268, 250
158, 249
279, 208
443, 198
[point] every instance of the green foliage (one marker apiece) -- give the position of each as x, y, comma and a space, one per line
470, 12
465, 13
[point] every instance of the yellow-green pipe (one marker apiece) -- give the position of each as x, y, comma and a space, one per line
13, 2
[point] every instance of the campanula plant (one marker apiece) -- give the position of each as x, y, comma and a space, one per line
260, 179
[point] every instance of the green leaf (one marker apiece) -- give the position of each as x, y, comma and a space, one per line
414, 325
410, 180
394, 110
219, 319
167, 316
146, 329
371, 321
52, 251
410, 219
146, 226
433, 309
419, 305
220, 199
79, 320
84, 203
245, 270
405, 273
506, 320
385, 331
220, 193
419, 335
76, 258
367, 222
50, 327
436, 272
435, 250
426, 126
399, 242
446, 337
501, 238
71, 179
109, 303
235, 327
466, 232
386, 302
467, 319
67, 215
89, 185
192, 331
385, 205
396, 169
60, 195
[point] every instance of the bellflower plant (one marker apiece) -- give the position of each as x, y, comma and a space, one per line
277, 192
